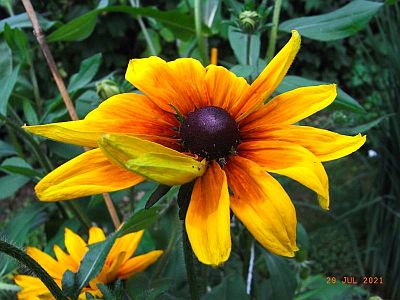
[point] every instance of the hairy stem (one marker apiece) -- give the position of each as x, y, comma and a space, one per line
30, 263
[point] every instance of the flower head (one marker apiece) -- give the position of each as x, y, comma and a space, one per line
119, 263
207, 125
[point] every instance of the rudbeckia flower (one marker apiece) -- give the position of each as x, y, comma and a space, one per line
119, 263
208, 125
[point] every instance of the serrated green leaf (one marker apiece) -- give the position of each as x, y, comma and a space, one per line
341, 23
343, 100
364, 127
86, 73
76, 30
231, 288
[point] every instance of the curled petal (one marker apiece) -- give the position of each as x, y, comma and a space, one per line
151, 160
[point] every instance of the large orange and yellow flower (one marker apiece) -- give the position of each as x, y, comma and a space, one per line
119, 263
207, 125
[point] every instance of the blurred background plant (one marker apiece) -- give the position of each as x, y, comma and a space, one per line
352, 43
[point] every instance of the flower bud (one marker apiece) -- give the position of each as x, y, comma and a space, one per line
248, 20
107, 88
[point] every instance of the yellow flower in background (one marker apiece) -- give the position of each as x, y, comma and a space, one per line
207, 125
119, 263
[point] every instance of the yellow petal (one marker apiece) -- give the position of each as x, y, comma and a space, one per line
224, 87
179, 82
293, 106
127, 244
87, 174
55, 269
138, 264
75, 245
263, 206
96, 235
290, 160
324, 144
32, 288
124, 113
65, 259
269, 79
208, 217
151, 160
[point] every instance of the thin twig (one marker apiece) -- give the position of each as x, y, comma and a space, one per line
37, 30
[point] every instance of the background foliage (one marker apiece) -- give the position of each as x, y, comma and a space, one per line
354, 44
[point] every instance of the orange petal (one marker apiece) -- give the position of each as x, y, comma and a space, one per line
263, 206
224, 88
138, 264
293, 106
96, 235
75, 245
87, 174
269, 79
54, 268
290, 160
124, 113
324, 144
179, 83
208, 217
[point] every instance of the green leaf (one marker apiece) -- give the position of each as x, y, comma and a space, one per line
363, 127
242, 70
76, 30
93, 261
19, 166
6, 149
86, 73
238, 41
6, 87
232, 287
182, 25
341, 23
18, 42
29, 112
282, 280
22, 21
69, 283
140, 220
18, 228
10, 184
343, 100
9, 287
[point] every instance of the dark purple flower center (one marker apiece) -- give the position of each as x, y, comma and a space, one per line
210, 132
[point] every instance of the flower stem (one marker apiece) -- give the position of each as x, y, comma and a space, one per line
199, 32
274, 31
29, 262
189, 264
